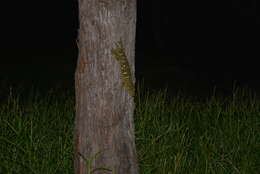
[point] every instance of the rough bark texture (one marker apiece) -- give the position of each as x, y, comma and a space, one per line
104, 127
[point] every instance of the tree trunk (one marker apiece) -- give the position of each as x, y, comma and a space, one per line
104, 82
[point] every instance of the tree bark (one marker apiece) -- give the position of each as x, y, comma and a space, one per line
104, 126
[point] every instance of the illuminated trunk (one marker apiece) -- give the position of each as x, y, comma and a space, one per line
104, 82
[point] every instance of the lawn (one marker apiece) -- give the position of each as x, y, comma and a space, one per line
179, 135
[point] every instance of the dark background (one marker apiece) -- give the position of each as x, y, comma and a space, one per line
189, 46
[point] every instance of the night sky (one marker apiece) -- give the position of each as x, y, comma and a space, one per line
189, 45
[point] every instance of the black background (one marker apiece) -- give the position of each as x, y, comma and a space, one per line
187, 45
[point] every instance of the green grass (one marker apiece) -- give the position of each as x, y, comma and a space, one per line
173, 136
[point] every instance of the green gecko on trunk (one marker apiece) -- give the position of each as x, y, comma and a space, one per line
126, 76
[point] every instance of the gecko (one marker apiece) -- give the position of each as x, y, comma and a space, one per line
126, 76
